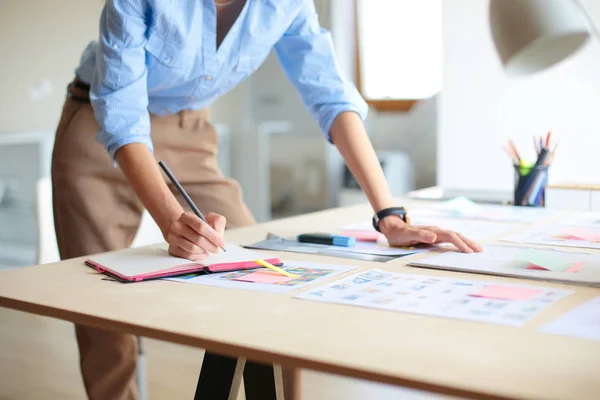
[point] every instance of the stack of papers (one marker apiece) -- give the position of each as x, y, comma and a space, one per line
521, 262
559, 235
368, 251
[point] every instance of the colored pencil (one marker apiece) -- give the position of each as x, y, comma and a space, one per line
281, 271
181, 190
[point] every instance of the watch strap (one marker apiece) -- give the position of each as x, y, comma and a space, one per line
386, 212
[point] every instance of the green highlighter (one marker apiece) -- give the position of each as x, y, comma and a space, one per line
524, 167
328, 239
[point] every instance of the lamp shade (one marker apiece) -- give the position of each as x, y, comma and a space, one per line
532, 35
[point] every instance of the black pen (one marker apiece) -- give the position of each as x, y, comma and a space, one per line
183, 192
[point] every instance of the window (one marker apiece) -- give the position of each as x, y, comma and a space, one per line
399, 51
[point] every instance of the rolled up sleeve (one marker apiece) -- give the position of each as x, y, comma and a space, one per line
119, 92
307, 56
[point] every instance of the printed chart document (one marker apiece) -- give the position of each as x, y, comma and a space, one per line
490, 302
263, 280
533, 263
582, 322
461, 207
473, 229
559, 235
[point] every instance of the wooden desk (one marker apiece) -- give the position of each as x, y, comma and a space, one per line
434, 354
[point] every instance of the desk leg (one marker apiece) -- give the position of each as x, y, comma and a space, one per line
220, 379
263, 381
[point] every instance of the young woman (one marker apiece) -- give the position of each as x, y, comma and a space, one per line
141, 93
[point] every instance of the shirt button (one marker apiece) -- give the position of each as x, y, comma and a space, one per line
115, 47
167, 59
208, 78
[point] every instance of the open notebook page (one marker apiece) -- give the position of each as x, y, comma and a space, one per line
147, 260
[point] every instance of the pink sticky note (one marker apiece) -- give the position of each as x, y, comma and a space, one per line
575, 267
263, 277
536, 267
506, 292
581, 233
363, 236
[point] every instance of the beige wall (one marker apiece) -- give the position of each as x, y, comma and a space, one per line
40, 40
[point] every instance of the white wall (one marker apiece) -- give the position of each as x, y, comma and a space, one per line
480, 106
40, 41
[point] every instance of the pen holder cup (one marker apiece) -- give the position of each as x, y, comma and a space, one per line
530, 185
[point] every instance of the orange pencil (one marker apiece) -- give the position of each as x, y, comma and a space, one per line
551, 155
511, 155
514, 149
548, 139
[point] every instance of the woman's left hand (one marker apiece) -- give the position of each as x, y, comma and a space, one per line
399, 233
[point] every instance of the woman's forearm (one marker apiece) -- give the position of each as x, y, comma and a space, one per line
350, 137
142, 171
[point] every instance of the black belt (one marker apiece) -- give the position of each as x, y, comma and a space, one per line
77, 86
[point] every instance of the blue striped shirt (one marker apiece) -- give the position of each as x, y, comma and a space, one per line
160, 57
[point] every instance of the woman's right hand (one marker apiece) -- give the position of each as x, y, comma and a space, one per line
191, 238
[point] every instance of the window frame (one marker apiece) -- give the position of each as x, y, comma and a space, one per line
377, 104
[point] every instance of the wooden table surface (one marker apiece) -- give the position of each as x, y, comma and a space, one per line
435, 354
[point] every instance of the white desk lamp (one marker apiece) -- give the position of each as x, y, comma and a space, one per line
532, 35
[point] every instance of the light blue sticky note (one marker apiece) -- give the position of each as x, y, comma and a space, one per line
462, 205
544, 259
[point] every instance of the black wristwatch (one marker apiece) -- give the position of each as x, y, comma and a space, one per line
386, 212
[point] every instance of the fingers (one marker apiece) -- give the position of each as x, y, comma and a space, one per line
455, 239
430, 235
217, 221
421, 235
472, 244
203, 229
195, 241
177, 251
460, 241
409, 236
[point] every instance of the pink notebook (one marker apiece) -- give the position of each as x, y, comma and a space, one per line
144, 263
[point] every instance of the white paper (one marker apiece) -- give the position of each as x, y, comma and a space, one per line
582, 322
311, 273
434, 296
553, 235
490, 212
588, 219
472, 229
379, 249
461, 205
505, 260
